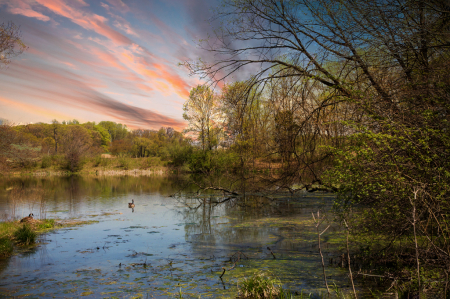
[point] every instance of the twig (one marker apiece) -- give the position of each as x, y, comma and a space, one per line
413, 203
349, 263
318, 222
222, 272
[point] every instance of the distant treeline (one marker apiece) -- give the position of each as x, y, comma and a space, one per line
71, 143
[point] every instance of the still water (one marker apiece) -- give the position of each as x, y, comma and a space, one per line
165, 244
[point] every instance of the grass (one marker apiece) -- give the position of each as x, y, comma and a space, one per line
260, 286
263, 286
6, 246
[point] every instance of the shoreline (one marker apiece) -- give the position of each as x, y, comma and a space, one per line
99, 172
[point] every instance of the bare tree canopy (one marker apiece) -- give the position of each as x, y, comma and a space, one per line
11, 44
308, 37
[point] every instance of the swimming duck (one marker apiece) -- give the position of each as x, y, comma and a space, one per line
131, 204
29, 218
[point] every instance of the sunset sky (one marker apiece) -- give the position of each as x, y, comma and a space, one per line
95, 60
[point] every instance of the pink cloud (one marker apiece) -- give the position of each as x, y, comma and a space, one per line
20, 7
87, 20
108, 58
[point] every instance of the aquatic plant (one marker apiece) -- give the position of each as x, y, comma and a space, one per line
25, 235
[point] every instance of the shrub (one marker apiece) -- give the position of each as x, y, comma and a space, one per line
46, 161
104, 162
179, 154
125, 163
208, 161
97, 161
73, 162
25, 235
259, 285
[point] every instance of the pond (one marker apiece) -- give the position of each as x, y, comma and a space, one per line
165, 244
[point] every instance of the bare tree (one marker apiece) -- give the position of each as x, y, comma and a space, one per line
11, 44
202, 112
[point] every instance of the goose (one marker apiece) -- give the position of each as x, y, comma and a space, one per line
29, 218
131, 204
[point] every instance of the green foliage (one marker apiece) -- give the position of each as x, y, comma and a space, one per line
25, 235
401, 176
179, 154
116, 131
105, 136
212, 161
6, 246
46, 161
124, 163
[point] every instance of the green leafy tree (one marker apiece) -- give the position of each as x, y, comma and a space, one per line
115, 130
105, 137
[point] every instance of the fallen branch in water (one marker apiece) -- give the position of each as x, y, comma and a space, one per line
274, 257
238, 258
216, 189
222, 272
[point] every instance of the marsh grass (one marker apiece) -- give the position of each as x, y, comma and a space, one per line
25, 235
6, 247
260, 286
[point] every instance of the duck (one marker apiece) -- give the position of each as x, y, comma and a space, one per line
29, 218
131, 204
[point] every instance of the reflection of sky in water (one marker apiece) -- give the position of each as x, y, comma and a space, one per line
161, 246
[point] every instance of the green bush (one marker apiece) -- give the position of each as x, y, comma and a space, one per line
46, 161
25, 235
97, 161
208, 161
179, 154
125, 163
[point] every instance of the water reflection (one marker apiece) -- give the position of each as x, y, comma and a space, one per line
160, 244
73, 194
